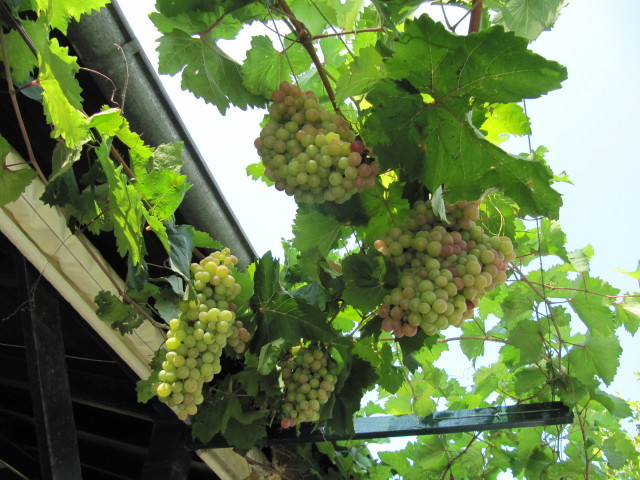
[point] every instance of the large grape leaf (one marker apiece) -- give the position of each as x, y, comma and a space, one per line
596, 356
278, 315
265, 67
60, 12
368, 278
126, 209
529, 18
314, 230
206, 70
122, 316
420, 116
12, 181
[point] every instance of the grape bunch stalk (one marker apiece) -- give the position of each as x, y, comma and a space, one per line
310, 152
197, 337
446, 267
309, 378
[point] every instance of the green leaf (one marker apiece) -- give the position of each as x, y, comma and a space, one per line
13, 179
360, 377
278, 315
595, 312
386, 208
424, 114
472, 348
580, 258
597, 356
256, 172
181, 248
504, 119
635, 274
529, 18
528, 379
615, 405
164, 190
628, 312
312, 229
312, 293
359, 76
126, 209
265, 67
206, 71
20, 57
62, 188
122, 316
619, 450
60, 12
204, 240
527, 336
368, 278
269, 354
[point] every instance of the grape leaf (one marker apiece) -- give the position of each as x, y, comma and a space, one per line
527, 336
181, 248
359, 76
580, 258
20, 57
312, 229
504, 119
206, 71
420, 115
368, 278
385, 207
628, 313
528, 379
122, 316
619, 450
595, 313
472, 348
265, 67
312, 293
60, 12
164, 190
126, 209
529, 18
596, 356
615, 405
13, 180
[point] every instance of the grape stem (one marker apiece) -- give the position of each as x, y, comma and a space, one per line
306, 39
476, 17
16, 109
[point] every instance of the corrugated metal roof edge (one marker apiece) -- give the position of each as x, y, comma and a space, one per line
149, 110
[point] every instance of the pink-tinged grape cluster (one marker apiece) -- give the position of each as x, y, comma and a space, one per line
445, 268
310, 152
197, 337
309, 378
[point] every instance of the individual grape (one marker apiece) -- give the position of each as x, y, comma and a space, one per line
445, 268
301, 131
309, 376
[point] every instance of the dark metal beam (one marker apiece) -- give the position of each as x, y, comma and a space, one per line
168, 457
53, 413
448, 421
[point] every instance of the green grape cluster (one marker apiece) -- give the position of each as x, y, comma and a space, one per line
310, 152
309, 378
197, 337
445, 268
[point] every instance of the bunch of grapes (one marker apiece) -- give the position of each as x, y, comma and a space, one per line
309, 377
197, 337
445, 268
310, 152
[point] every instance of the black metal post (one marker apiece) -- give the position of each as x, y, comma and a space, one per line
51, 398
168, 457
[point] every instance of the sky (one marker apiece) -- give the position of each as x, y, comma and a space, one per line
590, 128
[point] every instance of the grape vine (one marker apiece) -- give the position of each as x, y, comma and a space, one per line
415, 233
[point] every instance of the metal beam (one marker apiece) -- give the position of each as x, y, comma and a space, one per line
448, 421
51, 399
168, 457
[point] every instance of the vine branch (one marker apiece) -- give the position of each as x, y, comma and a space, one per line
306, 39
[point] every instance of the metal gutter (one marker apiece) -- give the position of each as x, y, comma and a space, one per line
151, 113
